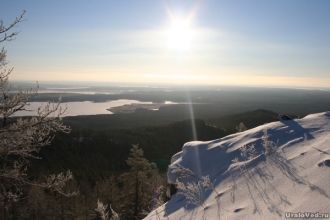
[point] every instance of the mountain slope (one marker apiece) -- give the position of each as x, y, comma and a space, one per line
261, 173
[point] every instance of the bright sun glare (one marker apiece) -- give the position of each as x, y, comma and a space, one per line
179, 35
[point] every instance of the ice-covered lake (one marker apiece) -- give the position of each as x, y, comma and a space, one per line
82, 108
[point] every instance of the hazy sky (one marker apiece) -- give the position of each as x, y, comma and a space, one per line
233, 42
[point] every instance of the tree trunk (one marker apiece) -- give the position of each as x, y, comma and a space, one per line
136, 199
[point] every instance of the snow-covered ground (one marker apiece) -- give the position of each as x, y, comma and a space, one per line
247, 182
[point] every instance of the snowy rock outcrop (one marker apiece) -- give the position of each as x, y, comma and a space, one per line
262, 173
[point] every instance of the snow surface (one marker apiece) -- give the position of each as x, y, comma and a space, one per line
293, 178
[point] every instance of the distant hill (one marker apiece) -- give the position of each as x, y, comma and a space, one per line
250, 119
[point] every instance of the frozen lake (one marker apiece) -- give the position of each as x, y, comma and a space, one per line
82, 108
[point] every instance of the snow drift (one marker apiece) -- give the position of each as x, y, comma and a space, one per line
262, 173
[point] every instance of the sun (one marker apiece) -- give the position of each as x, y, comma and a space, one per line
179, 35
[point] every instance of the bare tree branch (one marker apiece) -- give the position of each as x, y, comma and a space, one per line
21, 139
4, 29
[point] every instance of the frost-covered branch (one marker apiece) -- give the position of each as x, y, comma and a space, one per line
5, 34
21, 139
105, 212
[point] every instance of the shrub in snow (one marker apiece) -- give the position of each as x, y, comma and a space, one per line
268, 145
105, 212
248, 152
194, 192
192, 187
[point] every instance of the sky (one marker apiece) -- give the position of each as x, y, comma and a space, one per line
275, 43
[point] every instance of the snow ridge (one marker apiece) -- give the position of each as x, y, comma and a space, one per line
261, 173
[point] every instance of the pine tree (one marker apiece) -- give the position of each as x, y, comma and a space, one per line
139, 184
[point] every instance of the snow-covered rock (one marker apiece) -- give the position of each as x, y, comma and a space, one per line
249, 182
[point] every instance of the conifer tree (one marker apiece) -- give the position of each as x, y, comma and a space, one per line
140, 182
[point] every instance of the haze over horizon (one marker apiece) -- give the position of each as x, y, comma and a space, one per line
204, 42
